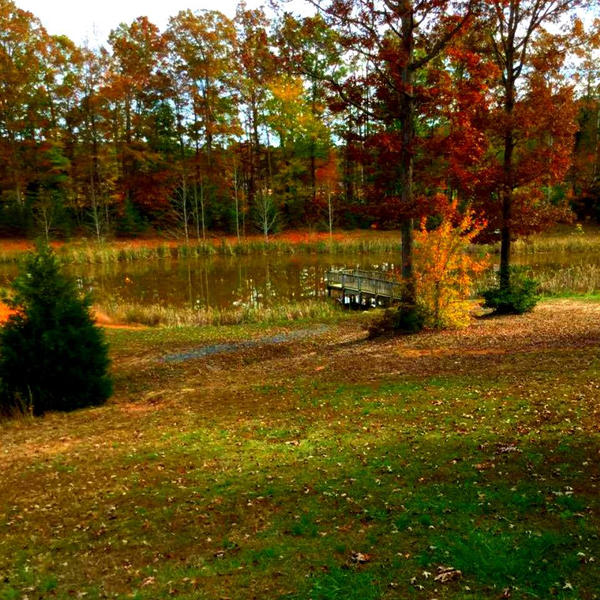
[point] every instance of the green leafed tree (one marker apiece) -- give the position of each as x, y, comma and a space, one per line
52, 356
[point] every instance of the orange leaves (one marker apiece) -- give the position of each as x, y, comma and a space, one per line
327, 175
457, 104
445, 268
542, 125
287, 90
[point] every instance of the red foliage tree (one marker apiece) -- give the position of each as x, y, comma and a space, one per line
533, 124
327, 180
396, 42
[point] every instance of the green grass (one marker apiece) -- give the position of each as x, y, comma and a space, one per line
264, 473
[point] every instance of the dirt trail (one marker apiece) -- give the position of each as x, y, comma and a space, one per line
213, 349
107, 322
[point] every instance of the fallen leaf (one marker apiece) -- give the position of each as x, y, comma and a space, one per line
447, 574
360, 558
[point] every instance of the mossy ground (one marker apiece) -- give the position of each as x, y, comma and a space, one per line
330, 467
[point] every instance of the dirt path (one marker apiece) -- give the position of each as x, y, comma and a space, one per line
213, 349
107, 322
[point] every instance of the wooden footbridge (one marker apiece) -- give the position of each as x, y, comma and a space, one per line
355, 287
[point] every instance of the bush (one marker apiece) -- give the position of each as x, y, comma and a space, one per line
445, 266
444, 273
52, 356
405, 319
520, 297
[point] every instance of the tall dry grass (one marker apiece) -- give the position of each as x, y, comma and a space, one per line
172, 316
576, 240
577, 279
94, 253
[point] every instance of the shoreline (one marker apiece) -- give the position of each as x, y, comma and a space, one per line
85, 251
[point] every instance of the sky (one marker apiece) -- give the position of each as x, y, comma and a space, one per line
82, 20
91, 22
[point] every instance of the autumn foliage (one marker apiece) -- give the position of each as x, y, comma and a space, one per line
363, 114
446, 266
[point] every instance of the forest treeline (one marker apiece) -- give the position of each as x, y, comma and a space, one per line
365, 114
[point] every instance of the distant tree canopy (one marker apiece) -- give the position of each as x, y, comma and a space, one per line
52, 356
182, 130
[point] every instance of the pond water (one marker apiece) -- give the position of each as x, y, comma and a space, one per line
215, 282
260, 280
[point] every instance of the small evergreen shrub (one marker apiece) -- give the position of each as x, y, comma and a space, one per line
52, 356
519, 298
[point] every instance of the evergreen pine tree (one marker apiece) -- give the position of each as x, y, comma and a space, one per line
52, 356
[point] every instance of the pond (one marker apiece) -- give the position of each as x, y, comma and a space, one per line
261, 280
214, 282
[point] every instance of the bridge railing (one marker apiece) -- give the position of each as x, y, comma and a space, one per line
368, 282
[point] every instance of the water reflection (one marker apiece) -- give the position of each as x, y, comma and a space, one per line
215, 282
223, 282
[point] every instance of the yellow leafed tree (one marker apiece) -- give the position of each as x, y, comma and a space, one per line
445, 268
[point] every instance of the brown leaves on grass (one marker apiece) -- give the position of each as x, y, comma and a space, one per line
507, 449
360, 558
447, 574
268, 423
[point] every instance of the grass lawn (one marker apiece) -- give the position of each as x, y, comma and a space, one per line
456, 465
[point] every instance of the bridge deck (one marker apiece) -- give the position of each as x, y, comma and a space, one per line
364, 284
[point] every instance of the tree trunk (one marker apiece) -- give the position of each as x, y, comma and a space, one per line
202, 210
184, 199
313, 151
208, 121
196, 212
348, 171
252, 166
95, 211
94, 177
269, 164
508, 183
407, 122
186, 231
237, 202
330, 211
15, 170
